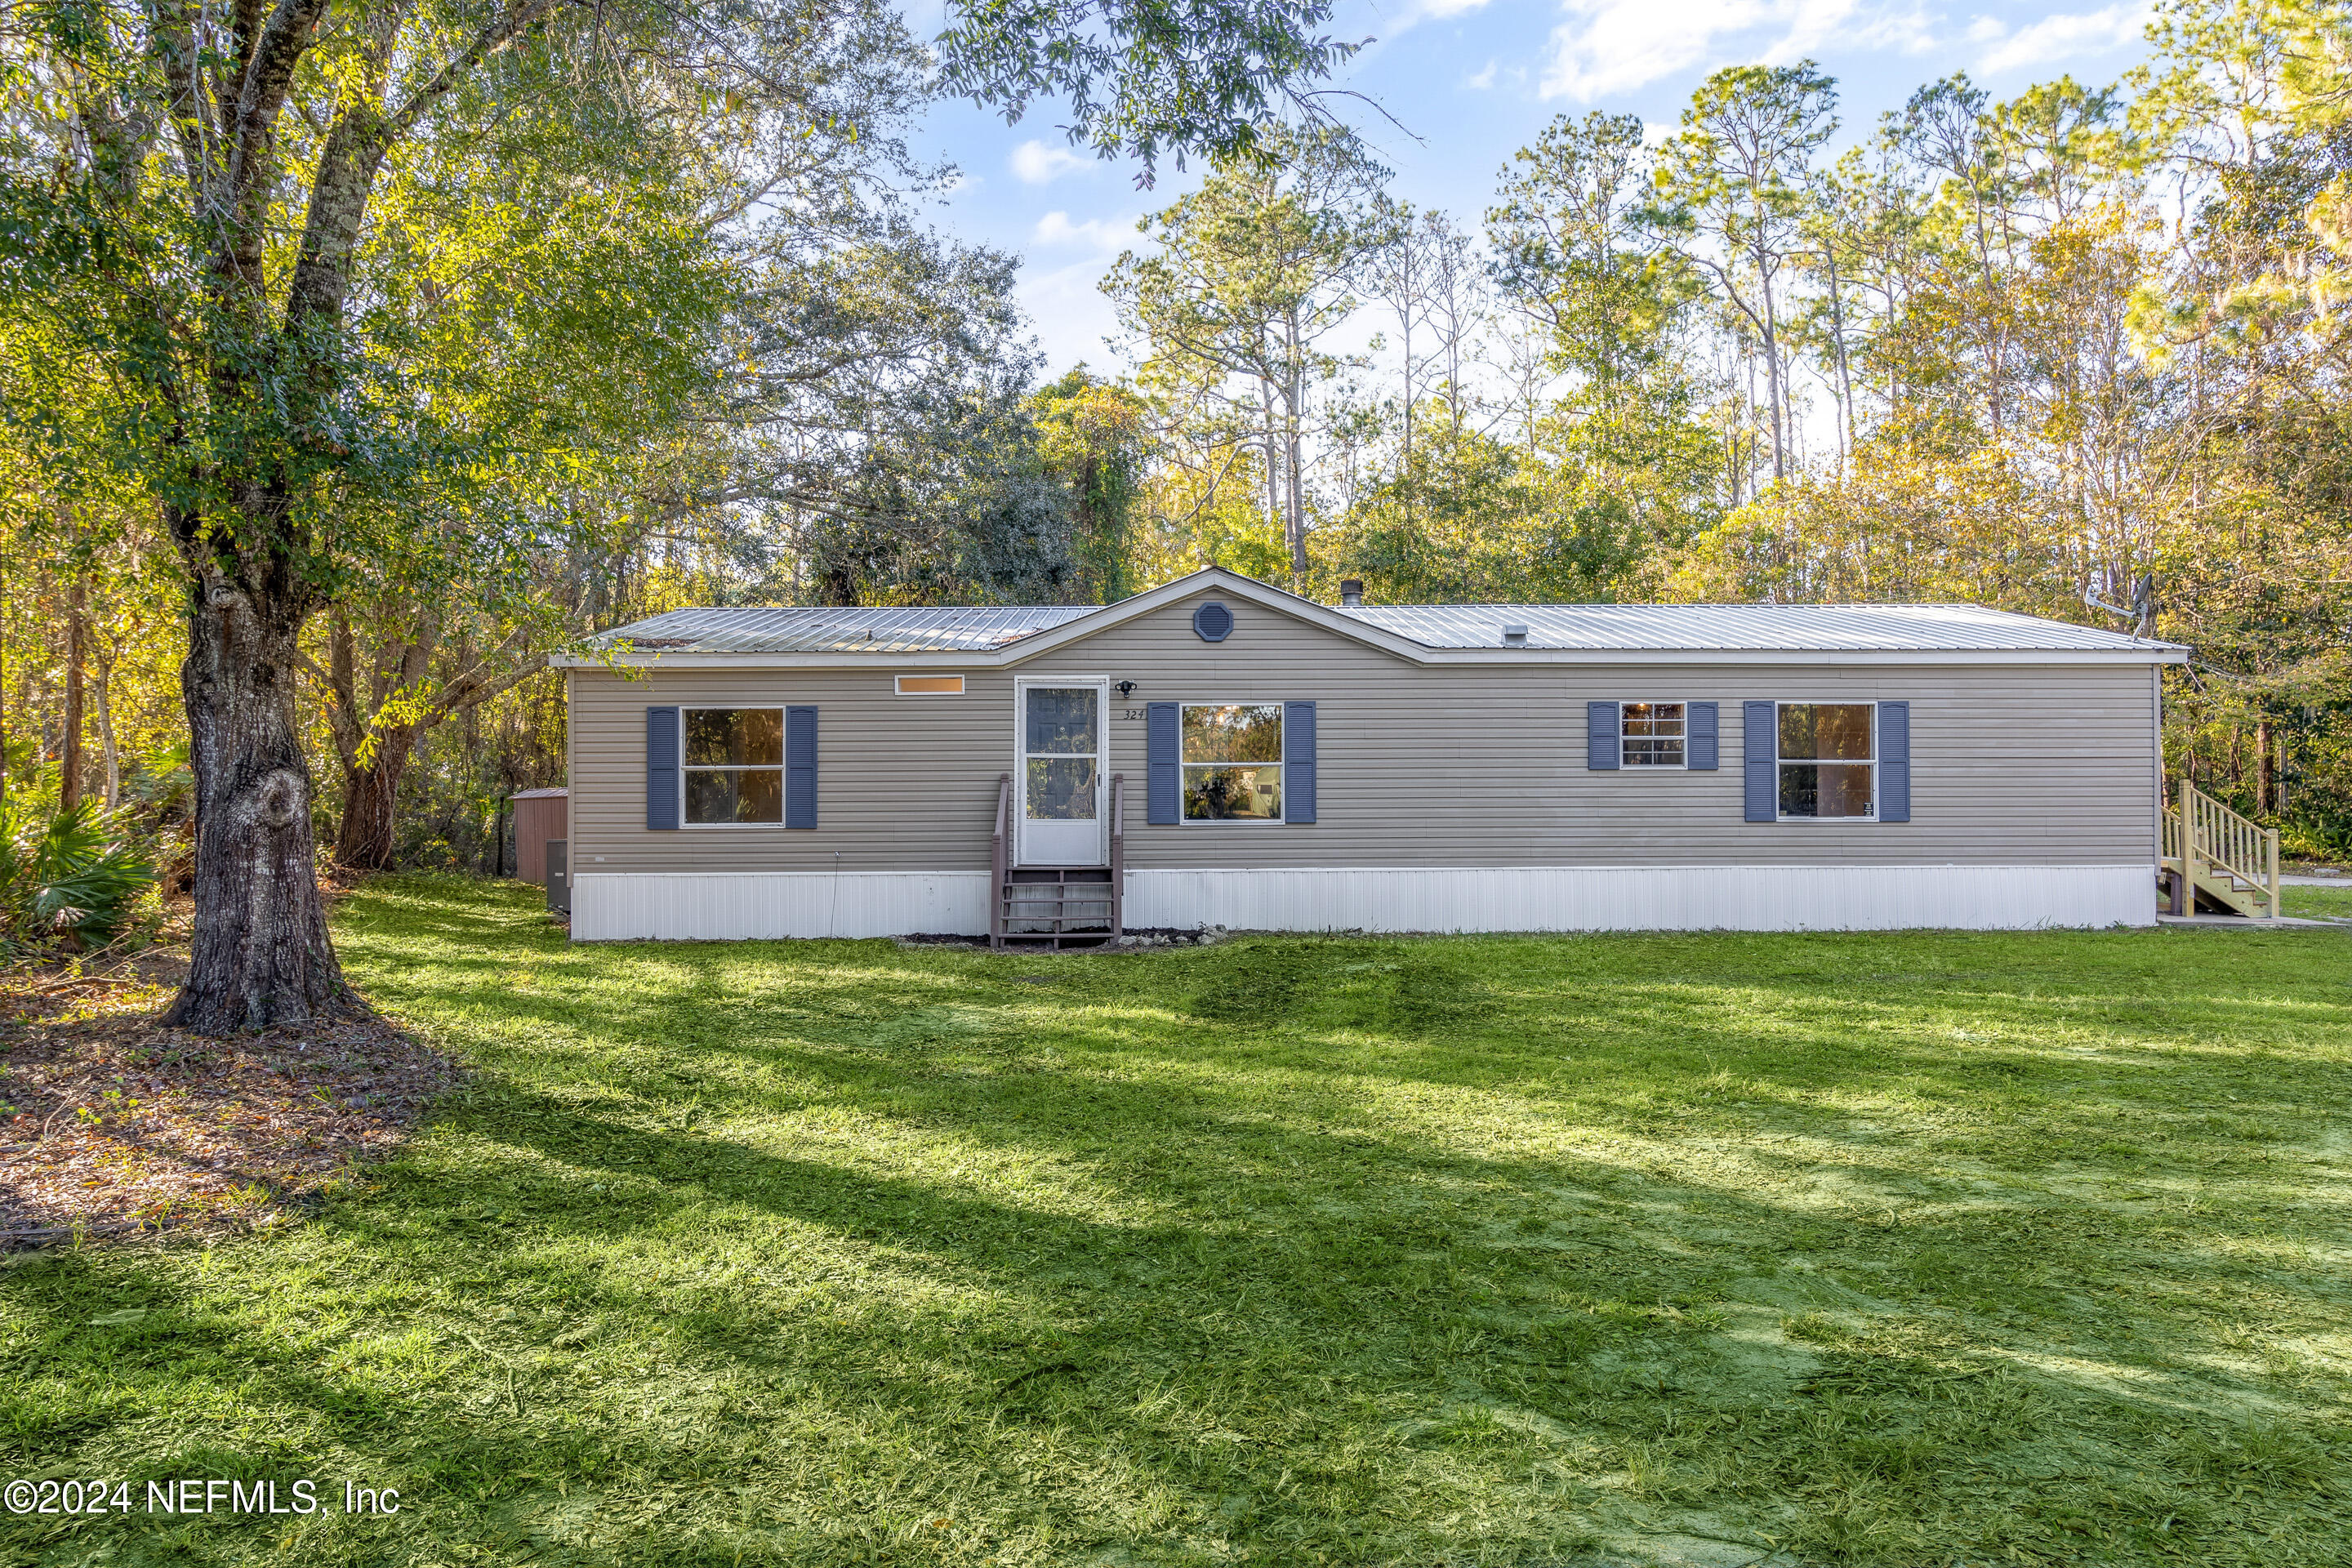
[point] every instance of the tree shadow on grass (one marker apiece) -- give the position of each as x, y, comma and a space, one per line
1361, 1278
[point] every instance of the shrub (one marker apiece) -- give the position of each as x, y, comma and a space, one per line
73, 878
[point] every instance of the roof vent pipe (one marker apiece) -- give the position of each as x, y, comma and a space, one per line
1351, 593
1515, 635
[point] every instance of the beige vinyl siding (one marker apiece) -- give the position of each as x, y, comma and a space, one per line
1445, 765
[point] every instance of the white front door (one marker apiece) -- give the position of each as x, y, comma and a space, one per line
1060, 776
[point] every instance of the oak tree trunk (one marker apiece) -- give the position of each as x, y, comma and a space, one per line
364, 838
261, 955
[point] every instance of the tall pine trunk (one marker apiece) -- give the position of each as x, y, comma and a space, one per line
261, 954
2265, 767
76, 641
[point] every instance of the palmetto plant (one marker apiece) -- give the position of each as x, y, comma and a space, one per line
71, 878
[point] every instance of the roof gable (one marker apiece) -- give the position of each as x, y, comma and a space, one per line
1247, 589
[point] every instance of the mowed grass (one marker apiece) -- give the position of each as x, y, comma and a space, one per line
2318, 903
1899, 1249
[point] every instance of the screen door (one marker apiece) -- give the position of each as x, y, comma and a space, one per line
1061, 774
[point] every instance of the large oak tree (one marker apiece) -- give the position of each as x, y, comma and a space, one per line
192, 213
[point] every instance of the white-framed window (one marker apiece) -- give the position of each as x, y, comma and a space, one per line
734, 766
1653, 734
1232, 755
1829, 760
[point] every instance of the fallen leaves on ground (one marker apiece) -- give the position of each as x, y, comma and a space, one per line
111, 1123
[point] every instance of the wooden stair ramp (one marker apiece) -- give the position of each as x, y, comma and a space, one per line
1056, 907
2219, 861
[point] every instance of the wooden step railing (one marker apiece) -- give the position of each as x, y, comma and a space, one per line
1117, 855
1073, 896
999, 858
2216, 852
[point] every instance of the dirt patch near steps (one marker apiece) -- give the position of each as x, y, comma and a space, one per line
111, 1125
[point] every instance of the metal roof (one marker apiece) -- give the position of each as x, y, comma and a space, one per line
1822, 628
556, 793
1680, 629
951, 629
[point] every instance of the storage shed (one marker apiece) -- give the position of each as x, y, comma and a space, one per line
540, 814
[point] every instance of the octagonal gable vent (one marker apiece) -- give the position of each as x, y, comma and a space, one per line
1213, 622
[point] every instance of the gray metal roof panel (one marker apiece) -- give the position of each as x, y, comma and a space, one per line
908, 629
1742, 628
1729, 628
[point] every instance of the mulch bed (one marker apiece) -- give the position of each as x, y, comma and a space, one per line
111, 1125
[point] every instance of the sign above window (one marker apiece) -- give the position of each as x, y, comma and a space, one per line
931, 686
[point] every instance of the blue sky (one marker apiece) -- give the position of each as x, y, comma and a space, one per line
1472, 81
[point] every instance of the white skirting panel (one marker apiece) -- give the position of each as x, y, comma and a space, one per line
1648, 898
703, 906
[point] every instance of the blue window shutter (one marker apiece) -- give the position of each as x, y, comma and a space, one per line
1298, 762
1600, 753
1760, 757
1164, 774
800, 767
1895, 762
661, 769
1699, 751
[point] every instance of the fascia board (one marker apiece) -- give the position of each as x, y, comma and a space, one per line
927, 658
1803, 656
1005, 659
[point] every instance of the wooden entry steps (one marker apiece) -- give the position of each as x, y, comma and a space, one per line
2220, 862
1057, 906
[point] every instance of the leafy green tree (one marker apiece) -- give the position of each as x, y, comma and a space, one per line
1730, 201
1575, 251
1254, 271
1228, 79
1095, 436
194, 201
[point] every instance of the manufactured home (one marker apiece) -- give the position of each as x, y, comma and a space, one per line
1219, 753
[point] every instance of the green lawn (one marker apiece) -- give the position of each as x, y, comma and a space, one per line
1897, 1249
2319, 903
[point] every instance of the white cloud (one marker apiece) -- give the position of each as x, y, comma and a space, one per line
1104, 236
1039, 164
1072, 318
2058, 37
1482, 80
1414, 12
1615, 46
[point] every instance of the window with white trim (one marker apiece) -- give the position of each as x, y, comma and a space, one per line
1651, 734
1232, 755
734, 769
1829, 759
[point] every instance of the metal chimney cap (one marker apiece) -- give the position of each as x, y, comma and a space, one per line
1351, 592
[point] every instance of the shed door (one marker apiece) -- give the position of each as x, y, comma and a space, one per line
1060, 776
